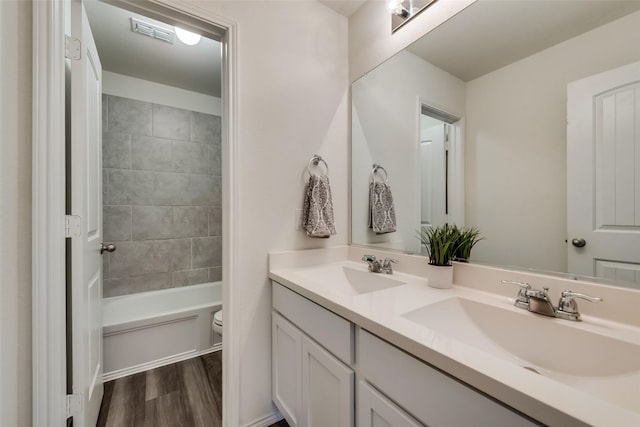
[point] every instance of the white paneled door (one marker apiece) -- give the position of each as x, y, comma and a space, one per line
603, 175
86, 203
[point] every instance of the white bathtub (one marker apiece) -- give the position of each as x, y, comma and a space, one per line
150, 329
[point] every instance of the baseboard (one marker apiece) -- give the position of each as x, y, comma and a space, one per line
266, 420
109, 376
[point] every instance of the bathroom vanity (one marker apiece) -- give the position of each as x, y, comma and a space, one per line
351, 347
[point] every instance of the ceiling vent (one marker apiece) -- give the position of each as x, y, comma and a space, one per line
151, 30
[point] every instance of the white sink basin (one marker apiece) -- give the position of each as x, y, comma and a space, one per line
348, 281
540, 344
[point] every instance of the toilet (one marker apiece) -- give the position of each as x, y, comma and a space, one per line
217, 322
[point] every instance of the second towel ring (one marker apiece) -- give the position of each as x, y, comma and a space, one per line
315, 161
377, 168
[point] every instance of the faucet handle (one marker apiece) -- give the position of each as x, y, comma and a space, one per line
523, 297
568, 308
368, 258
386, 263
523, 285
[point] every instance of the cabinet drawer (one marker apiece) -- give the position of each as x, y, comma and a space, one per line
328, 329
429, 395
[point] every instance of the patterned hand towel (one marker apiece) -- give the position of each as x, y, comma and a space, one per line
317, 211
382, 214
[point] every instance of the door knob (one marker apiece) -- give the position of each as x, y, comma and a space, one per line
110, 247
579, 242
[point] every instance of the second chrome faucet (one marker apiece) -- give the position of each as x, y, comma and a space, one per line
375, 266
537, 301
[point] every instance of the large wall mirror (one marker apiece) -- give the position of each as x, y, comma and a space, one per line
540, 131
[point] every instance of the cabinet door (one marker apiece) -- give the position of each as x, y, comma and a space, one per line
287, 369
327, 388
375, 410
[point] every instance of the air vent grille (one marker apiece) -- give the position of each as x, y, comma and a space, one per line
151, 30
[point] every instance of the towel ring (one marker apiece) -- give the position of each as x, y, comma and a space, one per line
377, 168
315, 161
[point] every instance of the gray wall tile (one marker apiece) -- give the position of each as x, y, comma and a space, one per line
105, 114
151, 154
172, 255
183, 189
215, 167
207, 252
131, 259
116, 223
192, 157
190, 221
116, 150
152, 222
190, 277
128, 115
129, 187
215, 274
132, 285
206, 128
215, 221
170, 122
162, 194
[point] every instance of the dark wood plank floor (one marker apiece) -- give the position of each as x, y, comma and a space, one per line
185, 394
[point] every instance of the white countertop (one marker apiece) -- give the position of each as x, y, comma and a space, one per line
538, 396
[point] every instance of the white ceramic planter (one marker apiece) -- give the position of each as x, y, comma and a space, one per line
440, 277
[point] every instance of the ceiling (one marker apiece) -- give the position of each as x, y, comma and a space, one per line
491, 34
195, 68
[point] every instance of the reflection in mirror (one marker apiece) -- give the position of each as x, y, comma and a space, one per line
404, 10
505, 68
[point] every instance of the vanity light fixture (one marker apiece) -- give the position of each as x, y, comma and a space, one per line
397, 8
403, 10
187, 37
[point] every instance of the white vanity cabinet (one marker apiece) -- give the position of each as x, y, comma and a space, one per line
312, 384
375, 410
314, 371
429, 395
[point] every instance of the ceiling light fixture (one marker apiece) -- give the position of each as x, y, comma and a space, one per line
187, 37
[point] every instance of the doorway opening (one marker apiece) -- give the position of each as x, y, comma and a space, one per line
160, 169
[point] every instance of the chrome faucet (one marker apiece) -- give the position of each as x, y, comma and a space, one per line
538, 301
376, 267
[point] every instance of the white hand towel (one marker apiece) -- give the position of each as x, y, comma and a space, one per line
317, 211
382, 214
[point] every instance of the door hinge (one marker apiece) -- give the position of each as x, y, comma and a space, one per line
74, 404
72, 48
72, 226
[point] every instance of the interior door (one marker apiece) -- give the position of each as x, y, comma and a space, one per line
603, 175
86, 203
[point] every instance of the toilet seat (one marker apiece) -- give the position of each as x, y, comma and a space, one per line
217, 318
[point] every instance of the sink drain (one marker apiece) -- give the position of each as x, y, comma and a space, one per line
529, 368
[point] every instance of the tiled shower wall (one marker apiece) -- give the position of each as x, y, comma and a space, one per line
162, 196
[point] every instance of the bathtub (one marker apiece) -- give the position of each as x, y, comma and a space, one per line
151, 329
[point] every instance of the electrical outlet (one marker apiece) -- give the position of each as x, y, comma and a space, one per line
298, 219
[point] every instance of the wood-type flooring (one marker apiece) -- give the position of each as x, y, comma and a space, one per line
184, 394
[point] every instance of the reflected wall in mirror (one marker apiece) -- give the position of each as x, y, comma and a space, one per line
504, 67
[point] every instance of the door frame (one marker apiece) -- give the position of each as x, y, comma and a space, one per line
50, 20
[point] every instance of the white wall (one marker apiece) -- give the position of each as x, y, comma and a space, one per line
385, 130
292, 102
519, 112
147, 91
370, 38
15, 213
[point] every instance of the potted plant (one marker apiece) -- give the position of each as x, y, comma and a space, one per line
439, 243
467, 239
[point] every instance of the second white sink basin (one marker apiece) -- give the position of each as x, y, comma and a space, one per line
537, 343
